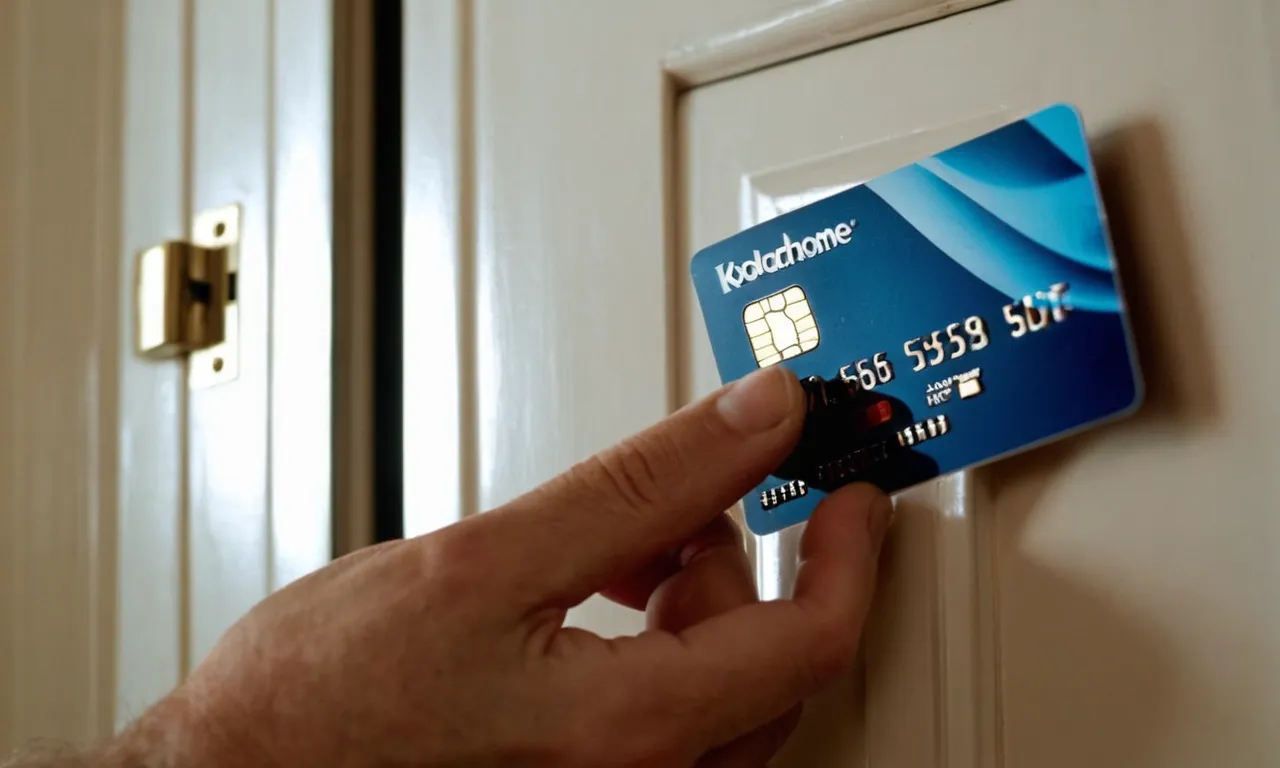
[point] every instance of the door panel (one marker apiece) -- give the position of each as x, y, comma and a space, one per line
1128, 595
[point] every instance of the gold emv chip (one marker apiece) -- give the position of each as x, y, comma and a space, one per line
780, 326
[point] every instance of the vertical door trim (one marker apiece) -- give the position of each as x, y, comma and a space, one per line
300, 498
354, 300
439, 256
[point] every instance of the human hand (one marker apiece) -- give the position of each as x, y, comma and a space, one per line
450, 649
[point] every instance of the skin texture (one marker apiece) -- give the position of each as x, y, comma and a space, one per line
451, 650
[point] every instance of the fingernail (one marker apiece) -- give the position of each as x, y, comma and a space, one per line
880, 519
759, 402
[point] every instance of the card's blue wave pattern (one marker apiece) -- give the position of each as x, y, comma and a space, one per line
1061, 126
983, 204
984, 245
1014, 156
1073, 231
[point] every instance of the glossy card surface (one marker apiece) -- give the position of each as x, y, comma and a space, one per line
940, 316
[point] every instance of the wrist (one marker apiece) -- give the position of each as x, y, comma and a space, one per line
178, 732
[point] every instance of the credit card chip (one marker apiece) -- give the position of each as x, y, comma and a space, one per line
780, 326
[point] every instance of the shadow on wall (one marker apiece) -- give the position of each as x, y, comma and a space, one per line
1085, 678
1158, 278
1105, 685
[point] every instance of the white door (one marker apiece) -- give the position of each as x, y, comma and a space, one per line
1109, 600
139, 516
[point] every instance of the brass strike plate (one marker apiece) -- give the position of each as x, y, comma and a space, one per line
219, 364
187, 303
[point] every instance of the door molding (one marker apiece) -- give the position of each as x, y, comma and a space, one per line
801, 31
354, 388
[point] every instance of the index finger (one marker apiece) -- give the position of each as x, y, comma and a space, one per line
614, 512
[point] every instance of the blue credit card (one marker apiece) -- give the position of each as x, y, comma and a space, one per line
940, 316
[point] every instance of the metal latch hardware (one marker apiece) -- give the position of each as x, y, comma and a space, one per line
186, 299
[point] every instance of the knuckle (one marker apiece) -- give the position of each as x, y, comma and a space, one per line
633, 471
451, 560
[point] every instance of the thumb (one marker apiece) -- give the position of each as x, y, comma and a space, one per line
615, 511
